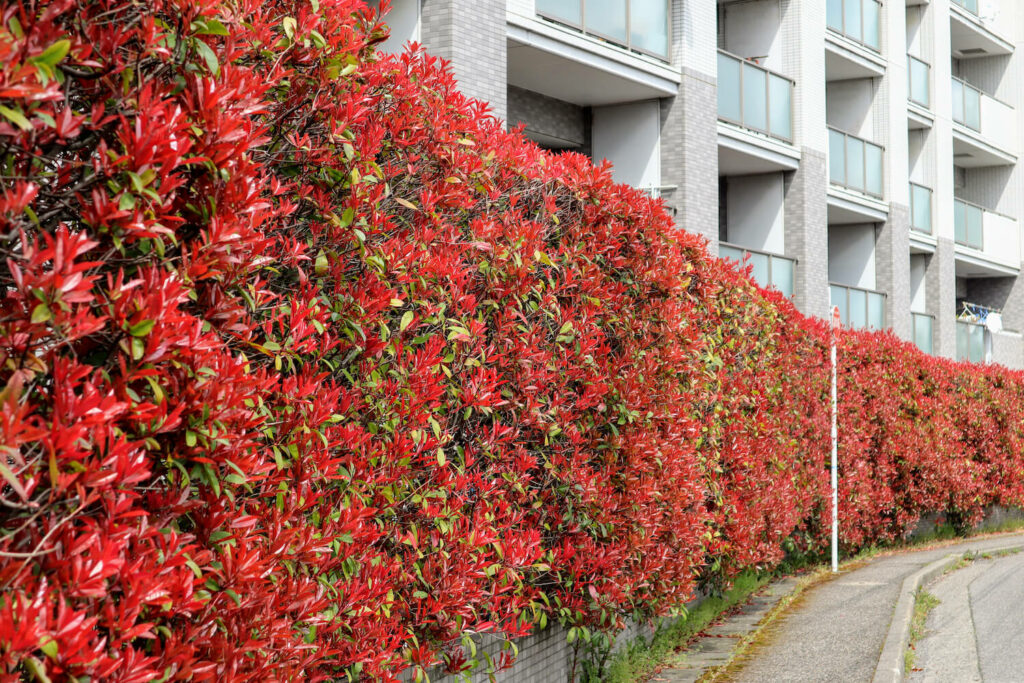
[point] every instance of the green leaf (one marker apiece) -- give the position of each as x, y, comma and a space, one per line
210, 27
141, 329
406, 320
16, 117
49, 648
441, 460
7, 474
289, 25
208, 55
321, 263
41, 313
52, 55
36, 668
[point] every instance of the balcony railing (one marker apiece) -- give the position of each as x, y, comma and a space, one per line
969, 5
753, 97
922, 329
968, 224
640, 25
859, 307
920, 208
966, 104
918, 83
857, 20
769, 270
970, 341
854, 163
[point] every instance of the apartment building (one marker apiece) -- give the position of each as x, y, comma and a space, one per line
860, 154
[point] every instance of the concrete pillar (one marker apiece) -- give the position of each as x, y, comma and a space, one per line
471, 35
941, 299
806, 220
892, 269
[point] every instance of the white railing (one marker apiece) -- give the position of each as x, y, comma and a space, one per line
640, 25
854, 162
922, 328
995, 120
996, 236
858, 20
918, 81
920, 208
754, 97
858, 307
768, 270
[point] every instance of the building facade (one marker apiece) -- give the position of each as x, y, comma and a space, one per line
859, 153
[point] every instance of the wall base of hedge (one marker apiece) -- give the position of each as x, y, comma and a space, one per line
996, 518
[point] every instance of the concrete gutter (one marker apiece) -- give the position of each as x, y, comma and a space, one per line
890, 662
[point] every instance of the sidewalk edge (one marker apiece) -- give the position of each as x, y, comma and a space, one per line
890, 661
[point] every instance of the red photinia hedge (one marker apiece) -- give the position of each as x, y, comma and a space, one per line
308, 369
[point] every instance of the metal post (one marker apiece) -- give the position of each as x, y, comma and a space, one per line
835, 446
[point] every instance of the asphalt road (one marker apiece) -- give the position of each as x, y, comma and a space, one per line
837, 631
976, 633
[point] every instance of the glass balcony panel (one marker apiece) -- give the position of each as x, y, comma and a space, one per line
648, 25
921, 208
858, 308
755, 98
923, 332
872, 34
838, 298
834, 15
959, 222
569, 11
873, 169
730, 253
729, 88
855, 163
977, 343
782, 276
962, 341
780, 100
853, 25
958, 101
607, 18
972, 108
759, 269
876, 310
919, 90
969, 5
837, 157
975, 217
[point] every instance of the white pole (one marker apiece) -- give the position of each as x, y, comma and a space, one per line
835, 448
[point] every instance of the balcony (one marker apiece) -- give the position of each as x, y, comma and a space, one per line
637, 25
754, 98
918, 82
854, 163
921, 208
970, 341
768, 270
858, 308
922, 329
984, 130
988, 243
857, 20
972, 35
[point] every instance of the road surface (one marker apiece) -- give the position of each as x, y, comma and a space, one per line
837, 630
976, 633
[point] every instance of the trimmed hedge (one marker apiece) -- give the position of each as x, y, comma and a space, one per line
311, 370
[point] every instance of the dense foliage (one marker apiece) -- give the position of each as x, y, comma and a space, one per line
309, 369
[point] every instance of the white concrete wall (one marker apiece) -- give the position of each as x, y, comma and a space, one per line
754, 211
404, 21
848, 107
918, 283
629, 136
851, 255
751, 30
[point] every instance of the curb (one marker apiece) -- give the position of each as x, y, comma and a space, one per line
890, 662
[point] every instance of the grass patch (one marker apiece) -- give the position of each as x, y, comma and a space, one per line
640, 659
924, 602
